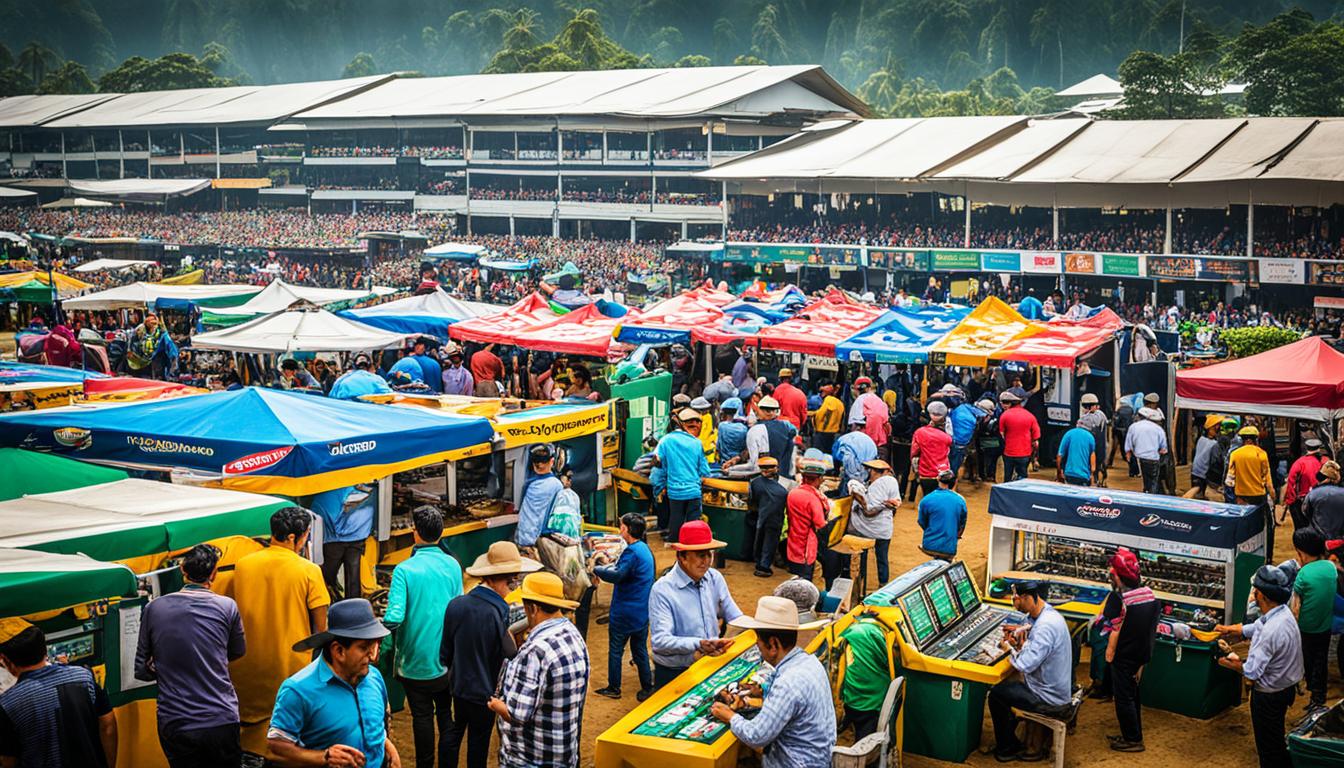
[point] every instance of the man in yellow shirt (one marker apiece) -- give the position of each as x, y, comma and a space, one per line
1248, 477
282, 599
709, 436
827, 420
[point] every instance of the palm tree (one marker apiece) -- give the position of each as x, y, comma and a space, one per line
35, 59
523, 34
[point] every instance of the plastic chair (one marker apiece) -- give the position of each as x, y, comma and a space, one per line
1058, 726
884, 743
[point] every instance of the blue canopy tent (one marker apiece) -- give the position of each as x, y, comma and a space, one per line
429, 313
26, 373
259, 440
509, 265
902, 335
455, 252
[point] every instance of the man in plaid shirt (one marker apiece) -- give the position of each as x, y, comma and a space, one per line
540, 706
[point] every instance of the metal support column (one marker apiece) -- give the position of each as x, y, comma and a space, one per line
1250, 223
1166, 238
217, 152
65, 168
1054, 216
632, 230
967, 199
723, 204
121, 154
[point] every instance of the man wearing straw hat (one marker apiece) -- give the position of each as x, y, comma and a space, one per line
686, 605
796, 725
540, 702
476, 642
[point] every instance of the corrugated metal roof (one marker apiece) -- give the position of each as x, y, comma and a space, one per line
1318, 156
32, 111
1131, 151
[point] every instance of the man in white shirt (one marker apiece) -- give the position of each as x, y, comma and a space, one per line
1146, 441
870, 516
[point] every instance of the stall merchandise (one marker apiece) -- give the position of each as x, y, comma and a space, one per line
947, 648
28, 472
253, 439
303, 327
430, 313
1196, 556
1302, 380
902, 335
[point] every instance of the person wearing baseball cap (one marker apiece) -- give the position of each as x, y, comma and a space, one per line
1044, 658
732, 433
1021, 436
1273, 664
807, 510
930, 449
682, 459
709, 436
872, 410
796, 724
1146, 442
767, 500
543, 689
792, 400
476, 642
334, 711
771, 436
1130, 647
1094, 420
1249, 478
687, 604
1301, 479
457, 379
828, 419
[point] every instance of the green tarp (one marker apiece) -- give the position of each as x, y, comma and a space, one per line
31, 582
24, 472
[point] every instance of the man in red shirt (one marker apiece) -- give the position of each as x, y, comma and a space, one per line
486, 369
1301, 479
930, 446
1021, 435
792, 401
806, 508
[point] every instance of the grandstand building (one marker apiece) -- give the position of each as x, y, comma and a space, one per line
563, 153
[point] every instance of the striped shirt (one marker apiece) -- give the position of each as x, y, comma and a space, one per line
796, 724
49, 719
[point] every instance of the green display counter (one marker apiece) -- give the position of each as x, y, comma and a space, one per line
950, 713
1319, 741
469, 541
1184, 677
730, 526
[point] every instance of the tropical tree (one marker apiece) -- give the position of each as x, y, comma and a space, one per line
362, 65
35, 59
175, 70
70, 77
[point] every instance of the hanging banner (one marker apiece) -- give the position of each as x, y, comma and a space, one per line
1042, 262
1080, 263
1231, 270
1000, 262
899, 259
1325, 273
1120, 265
549, 424
796, 253
1291, 271
1174, 267
956, 261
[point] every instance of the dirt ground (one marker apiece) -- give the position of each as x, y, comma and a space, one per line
1224, 740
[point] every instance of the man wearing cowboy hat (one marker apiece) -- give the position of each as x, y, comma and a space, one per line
457, 379
476, 642
334, 711
796, 725
687, 604
541, 696
1021, 436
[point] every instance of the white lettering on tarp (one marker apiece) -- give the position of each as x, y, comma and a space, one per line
348, 449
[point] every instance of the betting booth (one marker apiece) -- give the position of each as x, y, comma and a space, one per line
947, 648
1197, 556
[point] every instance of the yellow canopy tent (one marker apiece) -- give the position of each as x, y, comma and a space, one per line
985, 331
65, 285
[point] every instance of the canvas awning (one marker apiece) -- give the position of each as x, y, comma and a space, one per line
528, 312
586, 331
65, 285
302, 328
141, 295
677, 319
278, 296
987, 329
902, 335
818, 327
99, 265
26, 472
36, 582
1302, 380
430, 313
455, 251
137, 190
1059, 343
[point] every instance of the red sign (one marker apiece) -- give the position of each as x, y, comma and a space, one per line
257, 461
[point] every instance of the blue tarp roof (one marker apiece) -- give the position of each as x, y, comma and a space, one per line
902, 335
24, 373
429, 313
262, 440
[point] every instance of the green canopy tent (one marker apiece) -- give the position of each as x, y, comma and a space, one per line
31, 582
31, 292
26, 472
132, 518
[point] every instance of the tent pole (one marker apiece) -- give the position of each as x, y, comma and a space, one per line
1054, 216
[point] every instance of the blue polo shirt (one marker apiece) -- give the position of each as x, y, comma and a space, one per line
683, 457
942, 515
1077, 448
316, 710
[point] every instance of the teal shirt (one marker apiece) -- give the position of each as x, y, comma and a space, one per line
316, 710
422, 585
1315, 587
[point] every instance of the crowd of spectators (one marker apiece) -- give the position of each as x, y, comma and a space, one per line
427, 152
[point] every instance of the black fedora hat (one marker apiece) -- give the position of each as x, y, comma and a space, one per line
351, 619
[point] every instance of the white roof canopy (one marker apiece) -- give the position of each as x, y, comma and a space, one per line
299, 329
140, 295
437, 304
280, 295
1096, 85
32, 111
98, 265
144, 190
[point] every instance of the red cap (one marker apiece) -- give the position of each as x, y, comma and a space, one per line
1125, 564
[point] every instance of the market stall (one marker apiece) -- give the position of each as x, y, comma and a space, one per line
1197, 556
817, 328
303, 327
696, 314
1302, 380
526, 313
586, 331
429, 313
902, 335
278, 296
987, 329
142, 295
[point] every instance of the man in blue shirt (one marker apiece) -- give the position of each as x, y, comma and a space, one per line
631, 579
538, 496
942, 515
1042, 654
422, 587
852, 449
359, 381
430, 370
682, 455
187, 639
334, 711
964, 418
687, 604
732, 441
1076, 459
347, 522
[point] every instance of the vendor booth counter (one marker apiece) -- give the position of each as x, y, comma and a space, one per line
673, 728
947, 648
1196, 556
